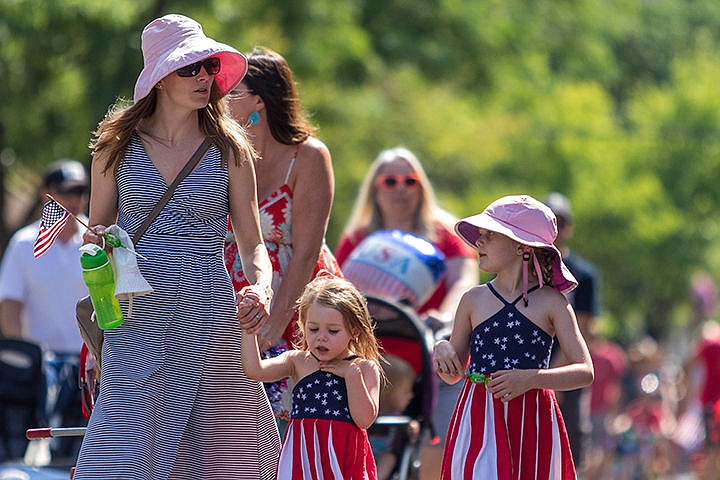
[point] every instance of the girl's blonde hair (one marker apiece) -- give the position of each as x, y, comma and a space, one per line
340, 295
366, 215
114, 132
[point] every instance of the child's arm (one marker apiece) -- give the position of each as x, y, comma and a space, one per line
264, 370
451, 357
362, 379
577, 373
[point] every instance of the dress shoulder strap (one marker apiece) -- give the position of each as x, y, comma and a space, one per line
502, 299
292, 162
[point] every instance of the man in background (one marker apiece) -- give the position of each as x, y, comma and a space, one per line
38, 297
585, 299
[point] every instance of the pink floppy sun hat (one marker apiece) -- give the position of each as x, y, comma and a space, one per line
527, 221
175, 41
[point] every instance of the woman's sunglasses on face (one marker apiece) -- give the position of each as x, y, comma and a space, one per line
212, 67
391, 181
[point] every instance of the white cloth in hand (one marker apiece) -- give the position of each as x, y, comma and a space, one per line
129, 282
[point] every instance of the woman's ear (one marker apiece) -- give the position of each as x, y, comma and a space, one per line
259, 103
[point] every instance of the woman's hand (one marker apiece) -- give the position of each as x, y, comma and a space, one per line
252, 307
95, 235
269, 334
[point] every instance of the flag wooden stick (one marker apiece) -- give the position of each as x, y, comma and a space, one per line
90, 229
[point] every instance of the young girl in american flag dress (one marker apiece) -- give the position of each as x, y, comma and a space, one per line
507, 423
337, 376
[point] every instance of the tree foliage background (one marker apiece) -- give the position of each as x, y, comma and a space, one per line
613, 103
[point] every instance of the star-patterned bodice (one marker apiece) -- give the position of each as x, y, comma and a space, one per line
321, 395
508, 340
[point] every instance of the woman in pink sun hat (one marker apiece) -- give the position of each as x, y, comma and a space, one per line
174, 401
507, 423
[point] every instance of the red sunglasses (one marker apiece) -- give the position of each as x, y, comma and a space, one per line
391, 181
212, 67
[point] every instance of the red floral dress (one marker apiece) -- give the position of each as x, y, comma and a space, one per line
275, 223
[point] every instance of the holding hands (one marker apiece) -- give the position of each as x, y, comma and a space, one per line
253, 304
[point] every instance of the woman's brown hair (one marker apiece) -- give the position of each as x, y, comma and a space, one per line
114, 132
270, 77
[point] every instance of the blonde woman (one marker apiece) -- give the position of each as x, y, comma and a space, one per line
396, 194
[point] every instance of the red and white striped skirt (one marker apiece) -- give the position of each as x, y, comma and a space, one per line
523, 439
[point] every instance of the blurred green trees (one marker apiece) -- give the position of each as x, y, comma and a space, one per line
614, 103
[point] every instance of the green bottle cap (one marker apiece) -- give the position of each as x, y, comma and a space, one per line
92, 256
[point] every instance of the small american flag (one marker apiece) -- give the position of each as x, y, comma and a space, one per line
52, 221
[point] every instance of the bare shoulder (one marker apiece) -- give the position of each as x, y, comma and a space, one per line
313, 144
547, 306
313, 150
100, 161
478, 303
364, 363
367, 367
299, 359
550, 296
477, 294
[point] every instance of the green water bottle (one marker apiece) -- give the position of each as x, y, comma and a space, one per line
98, 275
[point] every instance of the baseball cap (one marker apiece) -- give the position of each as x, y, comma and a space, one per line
559, 204
66, 175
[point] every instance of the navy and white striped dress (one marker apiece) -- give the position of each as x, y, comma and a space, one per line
174, 401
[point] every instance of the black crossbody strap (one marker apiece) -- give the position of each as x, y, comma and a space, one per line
189, 166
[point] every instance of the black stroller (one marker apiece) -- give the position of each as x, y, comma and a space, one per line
22, 395
398, 327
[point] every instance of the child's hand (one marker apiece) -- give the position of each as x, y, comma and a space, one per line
343, 368
445, 359
508, 384
251, 311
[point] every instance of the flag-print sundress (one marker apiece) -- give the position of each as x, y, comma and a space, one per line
276, 224
523, 439
174, 400
322, 441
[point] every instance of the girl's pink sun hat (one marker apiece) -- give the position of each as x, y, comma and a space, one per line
525, 220
175, 41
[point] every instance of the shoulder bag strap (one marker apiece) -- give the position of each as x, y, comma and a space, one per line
189, 166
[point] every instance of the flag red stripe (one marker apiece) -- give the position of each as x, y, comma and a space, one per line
47, 236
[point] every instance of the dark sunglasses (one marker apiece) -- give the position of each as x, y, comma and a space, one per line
212, 67
392, 181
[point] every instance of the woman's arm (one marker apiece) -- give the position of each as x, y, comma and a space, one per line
103, 200
312, 199
253, 254
264, 370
